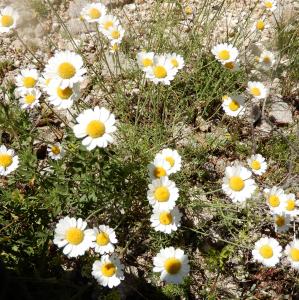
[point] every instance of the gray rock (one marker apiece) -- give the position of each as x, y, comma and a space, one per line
281, 113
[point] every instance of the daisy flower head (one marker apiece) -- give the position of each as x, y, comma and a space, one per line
115, 34
257, 164
162, 71
106, 22
238, 184
65, 68
29, 98
173, 265
55, 151
232, 65
282, 222
8, 161
291, 205
158, 168
257, 89
104, 239
292, 253
108, 271
95, 126
260, 25
267, 59
27, 79
166, 220
174, 159
176, 60
234, 105
44, 82
72, 236
162, 193
270, 5
145, 59
92, 12
275, 198
267, 251
225, 53
63, 98
8, 19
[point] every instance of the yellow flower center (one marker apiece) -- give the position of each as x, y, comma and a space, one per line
229, 65
147, 62
165, 218
266, 251
162, 194
64, 94
102, 238
236, 183
115, 34
255, 165
6, 21
294, 254
234, 105
280, 221
274, 201
268, 4
74, 236
174, 62
172, 265
108, 269
66, 70
267, 60
94, 13
224, 54
159, 172
48, 81
95, 129
160, 72
107, 24
29, 99
170, 160
255, 91
260, 25
5, 160
290, 205
188, 10
29, 82
55, 149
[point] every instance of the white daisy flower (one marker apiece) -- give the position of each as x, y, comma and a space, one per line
162, 70
106, 22
267, 59
44, 83
166, 220
291, 205
8, 19
8, 161
108, 271
65, 68
176, 60
232, 65
158, 168
71, 235
292, 253
55, 151
162, 193
63, 98
145, 59
257, 164
29, 98
270, 5
275, 198
93, 12
237, 183
282, 222
225, 53
260, 25
234, 105
96, 127
27, 80
115, 34
173, 265
257, 89
267, 251
174, 159
104, 239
